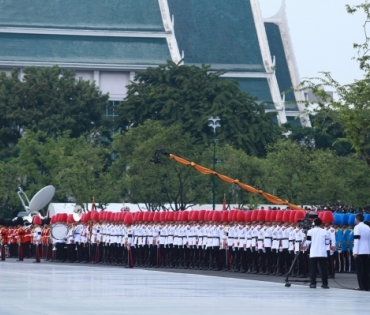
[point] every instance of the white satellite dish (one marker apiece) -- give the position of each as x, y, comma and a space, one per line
39, 200
42, 198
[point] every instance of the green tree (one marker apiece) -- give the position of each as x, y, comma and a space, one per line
77, 167
287, 171
11, 177
338, 179
237, 165
306, 175
351, 108
47, 99
165, 182
189, 95
323, 134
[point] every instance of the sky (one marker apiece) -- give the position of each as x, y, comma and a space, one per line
322, 34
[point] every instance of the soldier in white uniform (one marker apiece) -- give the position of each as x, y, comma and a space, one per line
104, 234
261, 250
176, 244
123, 250
231, 242
170, 241
187, 241
94, 242
144, 244
154, 246
208, 246
248, 237
267, 242
77, 241
242, 247
129, 239
200, 233
114, 243
330, 253
223, 244
298, 250
191, 242
70, 243
292, 234
254, 246
84, 242
275, 247
217, 234
163, 234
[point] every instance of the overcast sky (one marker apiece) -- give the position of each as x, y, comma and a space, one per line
323, 34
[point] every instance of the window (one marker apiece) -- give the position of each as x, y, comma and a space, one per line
110, 115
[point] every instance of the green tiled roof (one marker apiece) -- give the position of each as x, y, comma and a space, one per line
217, 32
131, 15
83, 49
282, 69
257, 87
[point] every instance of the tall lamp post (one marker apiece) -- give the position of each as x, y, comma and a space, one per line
213, 123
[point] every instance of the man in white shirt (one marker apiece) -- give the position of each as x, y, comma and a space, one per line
318, 238
361, 251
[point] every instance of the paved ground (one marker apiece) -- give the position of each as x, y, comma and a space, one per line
56, 289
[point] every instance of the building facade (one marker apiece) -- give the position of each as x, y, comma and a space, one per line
108, 41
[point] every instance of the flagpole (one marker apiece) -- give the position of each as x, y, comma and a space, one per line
214, 124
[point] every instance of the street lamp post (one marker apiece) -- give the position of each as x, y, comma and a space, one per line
213, 123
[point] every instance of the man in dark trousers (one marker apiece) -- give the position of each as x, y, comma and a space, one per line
318, 238
361, 252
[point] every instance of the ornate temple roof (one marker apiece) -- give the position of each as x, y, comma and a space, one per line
127, 15
131, 35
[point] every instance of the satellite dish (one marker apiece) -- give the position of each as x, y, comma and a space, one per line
42, 198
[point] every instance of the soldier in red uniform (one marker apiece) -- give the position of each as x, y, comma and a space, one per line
21, 233
44, 242
49, 245
13, 242
27, 241
3, 238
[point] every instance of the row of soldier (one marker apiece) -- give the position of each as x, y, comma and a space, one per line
22, 241
263, 242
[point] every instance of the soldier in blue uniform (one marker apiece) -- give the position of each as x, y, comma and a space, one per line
345, 248
338, 254
344, 254
350, 240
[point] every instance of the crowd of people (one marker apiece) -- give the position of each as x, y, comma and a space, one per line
256, 241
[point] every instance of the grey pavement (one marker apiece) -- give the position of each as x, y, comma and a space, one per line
55, 289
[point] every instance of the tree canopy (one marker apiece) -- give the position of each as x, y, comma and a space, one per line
164, 182
350, 109
47, 99
189, 96
77, 167
323, 134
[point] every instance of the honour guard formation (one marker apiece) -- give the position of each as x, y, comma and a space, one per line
261, 242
